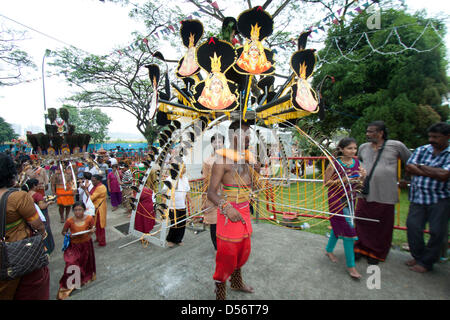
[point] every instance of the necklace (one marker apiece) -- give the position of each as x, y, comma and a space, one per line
345, 164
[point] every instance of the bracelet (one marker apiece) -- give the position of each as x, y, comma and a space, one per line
221, 203
226, 205
222, 206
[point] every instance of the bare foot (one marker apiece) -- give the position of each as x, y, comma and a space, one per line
418, 268
170, 244
245, 288
354, 273
332, 257
411, 262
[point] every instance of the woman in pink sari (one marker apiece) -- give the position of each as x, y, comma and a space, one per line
114, 187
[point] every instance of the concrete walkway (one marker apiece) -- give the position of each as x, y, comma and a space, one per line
284, 265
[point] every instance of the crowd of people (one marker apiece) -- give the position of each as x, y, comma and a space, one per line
85, 187
81, 189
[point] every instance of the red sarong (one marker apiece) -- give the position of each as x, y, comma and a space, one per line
374, 238
233, 242
235, 231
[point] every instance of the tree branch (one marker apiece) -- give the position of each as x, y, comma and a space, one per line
266, 4
280, 8
202, 9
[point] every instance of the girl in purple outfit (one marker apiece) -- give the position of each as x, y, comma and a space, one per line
114, 187
342, 227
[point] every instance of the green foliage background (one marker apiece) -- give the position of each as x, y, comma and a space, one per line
404, 90
91, 121
6, 131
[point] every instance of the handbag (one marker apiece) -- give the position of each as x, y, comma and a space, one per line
21, 257
366, 187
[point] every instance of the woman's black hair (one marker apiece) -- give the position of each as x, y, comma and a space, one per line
30, 184
8, 171
79, 204
344, 142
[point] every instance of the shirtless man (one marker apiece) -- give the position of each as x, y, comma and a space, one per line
232, 169
65, 192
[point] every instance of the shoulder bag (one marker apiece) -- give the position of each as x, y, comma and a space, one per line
366, 188
21, 257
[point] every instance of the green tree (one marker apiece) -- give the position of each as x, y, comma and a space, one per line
6, 131
91, 121
13, 60
405, 90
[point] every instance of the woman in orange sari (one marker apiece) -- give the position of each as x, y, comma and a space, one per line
79, 255
98, 196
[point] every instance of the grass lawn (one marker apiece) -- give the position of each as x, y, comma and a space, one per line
316, 198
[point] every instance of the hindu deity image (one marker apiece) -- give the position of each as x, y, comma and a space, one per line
253, 58
304, 97
191, 32
154, 99
216, 94
154, 75
189, 66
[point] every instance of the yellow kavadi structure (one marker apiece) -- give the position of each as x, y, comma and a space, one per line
223, 79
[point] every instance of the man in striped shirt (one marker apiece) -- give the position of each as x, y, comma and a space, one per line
429, 197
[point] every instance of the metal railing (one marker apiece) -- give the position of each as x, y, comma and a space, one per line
304, 190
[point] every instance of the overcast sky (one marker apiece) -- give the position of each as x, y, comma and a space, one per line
96, 27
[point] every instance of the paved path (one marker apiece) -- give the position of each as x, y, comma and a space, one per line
284, 265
